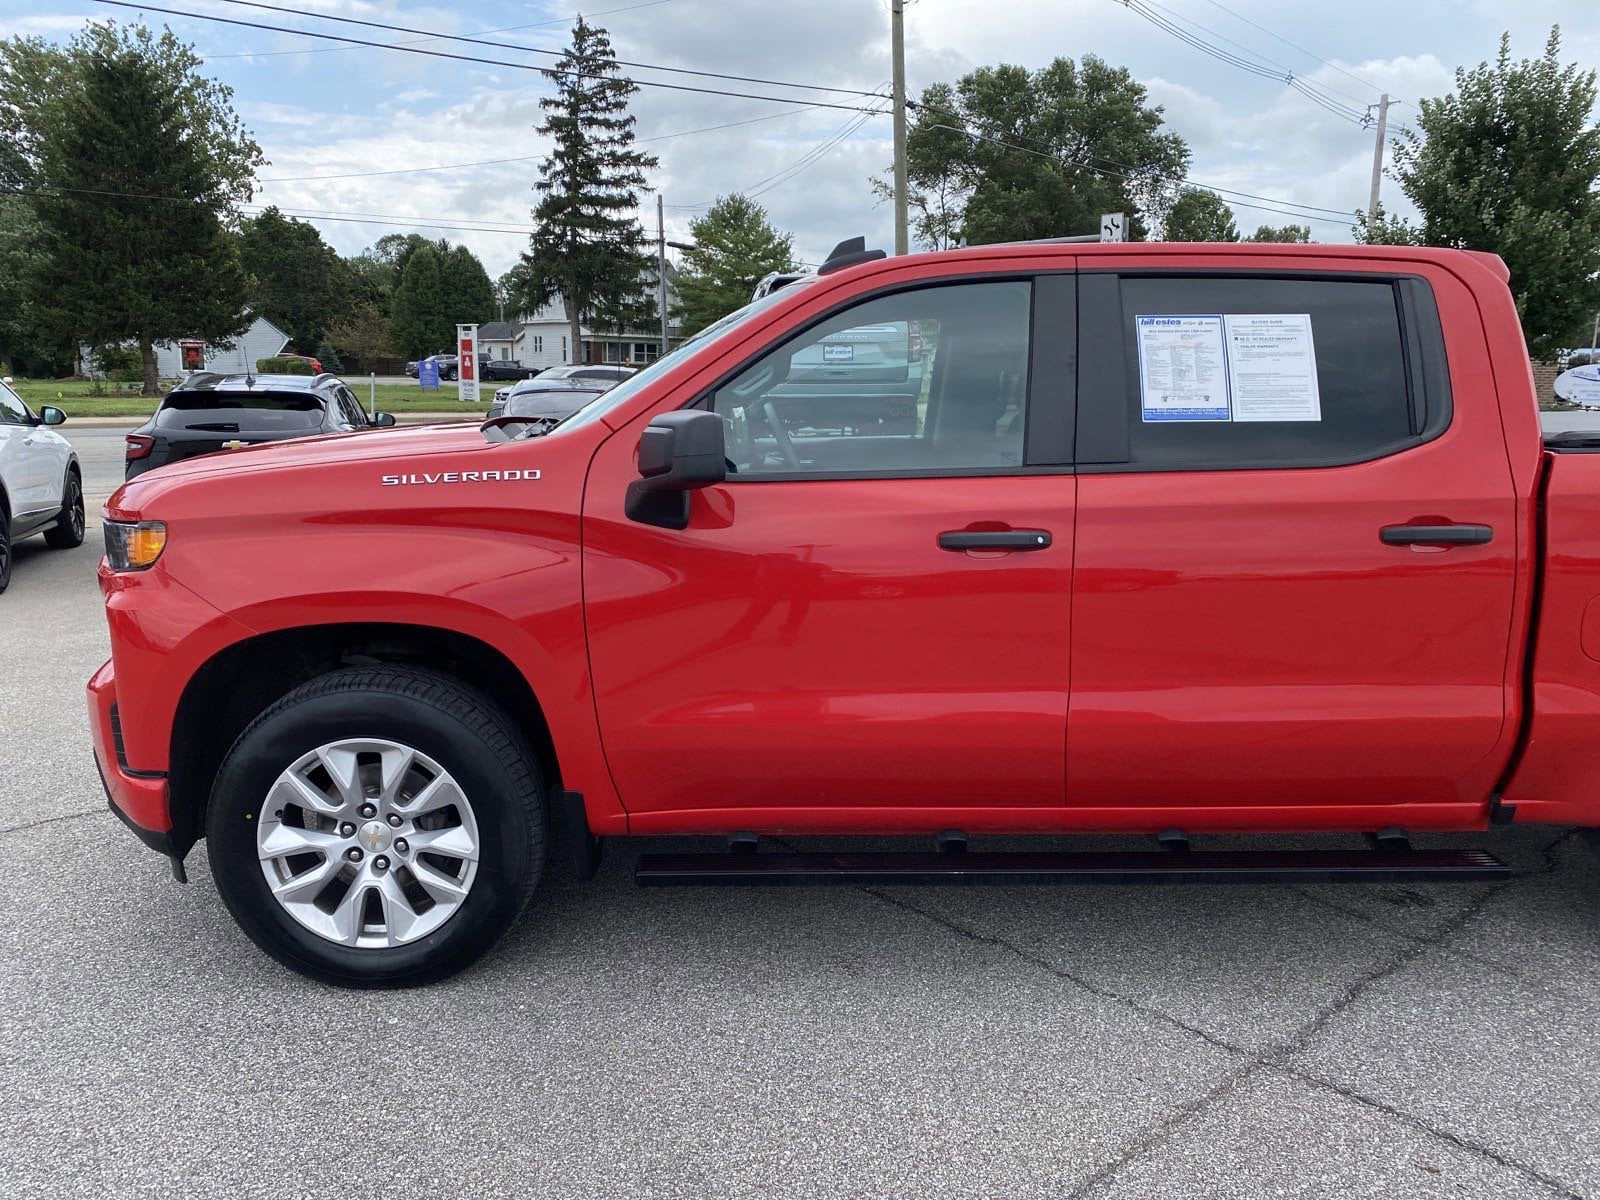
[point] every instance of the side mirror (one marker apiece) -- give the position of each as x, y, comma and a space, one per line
384, 419
49, 414
679, 452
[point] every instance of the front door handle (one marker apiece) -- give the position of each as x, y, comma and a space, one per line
1436, 535
994, 539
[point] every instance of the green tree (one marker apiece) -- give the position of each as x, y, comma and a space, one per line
296, 280
1007, 154
588, 247
363, 334
468, 294
735, 246
1279, 233
1199, 216
139, 162
1509, 162
421, 321
20, 345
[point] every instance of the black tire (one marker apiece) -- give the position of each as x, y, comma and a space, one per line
67, 532
464, 732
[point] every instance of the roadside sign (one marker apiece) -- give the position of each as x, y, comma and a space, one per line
428, 375
1581, 385
1114, 227
467, 363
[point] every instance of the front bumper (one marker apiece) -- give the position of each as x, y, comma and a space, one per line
138, 797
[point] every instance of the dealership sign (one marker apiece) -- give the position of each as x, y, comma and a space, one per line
467, 363
1581, 385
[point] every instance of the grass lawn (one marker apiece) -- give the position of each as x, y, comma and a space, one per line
73, 397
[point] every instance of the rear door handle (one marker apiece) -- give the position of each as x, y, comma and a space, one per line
994, 539
1436, 535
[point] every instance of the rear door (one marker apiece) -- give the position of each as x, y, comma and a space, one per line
863, 627
1254, 624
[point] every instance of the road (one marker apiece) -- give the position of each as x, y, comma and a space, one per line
1257, 1041
100, 454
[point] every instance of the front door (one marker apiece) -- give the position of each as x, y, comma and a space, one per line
834, 633
1245, 634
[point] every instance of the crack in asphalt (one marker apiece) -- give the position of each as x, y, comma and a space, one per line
77, 816
1273, 1059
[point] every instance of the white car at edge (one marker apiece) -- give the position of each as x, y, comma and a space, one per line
41, 484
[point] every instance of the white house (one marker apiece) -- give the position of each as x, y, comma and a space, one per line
184, 357
542, 339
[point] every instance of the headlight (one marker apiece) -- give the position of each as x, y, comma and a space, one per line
134, 546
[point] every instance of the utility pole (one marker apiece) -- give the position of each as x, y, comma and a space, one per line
897, 37
1377, 154
661, 268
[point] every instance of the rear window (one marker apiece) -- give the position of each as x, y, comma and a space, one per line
260, 412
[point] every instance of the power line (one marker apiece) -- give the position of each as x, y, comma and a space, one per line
1292, 45
1257, 64
432, 35
467, 58
810, 157
506, 29
494, 162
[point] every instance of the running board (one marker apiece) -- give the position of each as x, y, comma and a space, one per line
1160, 866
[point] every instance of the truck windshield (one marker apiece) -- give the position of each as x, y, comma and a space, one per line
631, 386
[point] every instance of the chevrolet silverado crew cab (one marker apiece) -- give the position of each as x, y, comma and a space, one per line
1166, 540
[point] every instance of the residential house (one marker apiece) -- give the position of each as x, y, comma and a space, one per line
543, 339
174, 360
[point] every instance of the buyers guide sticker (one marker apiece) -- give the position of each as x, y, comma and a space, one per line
1182, 369
1239, 367
1272, 367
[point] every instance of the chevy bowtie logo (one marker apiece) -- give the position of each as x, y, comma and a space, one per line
234, 445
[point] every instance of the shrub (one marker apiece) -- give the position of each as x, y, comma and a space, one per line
283, 366
120, 364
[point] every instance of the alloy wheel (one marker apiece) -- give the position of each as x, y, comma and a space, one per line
368, 843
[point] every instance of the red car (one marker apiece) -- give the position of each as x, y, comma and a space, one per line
1164, 540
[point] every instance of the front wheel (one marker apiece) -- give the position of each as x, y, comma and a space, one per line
378, 827
67, 532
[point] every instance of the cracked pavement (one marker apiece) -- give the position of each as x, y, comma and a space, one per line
1413, 1040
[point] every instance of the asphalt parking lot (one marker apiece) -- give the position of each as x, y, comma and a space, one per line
1395, 1041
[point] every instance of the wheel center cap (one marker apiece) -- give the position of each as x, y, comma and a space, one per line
374, 836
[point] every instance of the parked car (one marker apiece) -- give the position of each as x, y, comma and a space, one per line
449, 365
41, 484
1299, 565
506, 368
591, 372
544, 383
411, 368
210, 413
314, 363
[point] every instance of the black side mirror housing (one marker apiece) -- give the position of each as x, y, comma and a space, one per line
384, 419
679, 452
49, 414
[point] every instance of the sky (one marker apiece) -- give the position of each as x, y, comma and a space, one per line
346, 128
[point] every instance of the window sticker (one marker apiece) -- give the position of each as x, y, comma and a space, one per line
1183, 372
1272, 367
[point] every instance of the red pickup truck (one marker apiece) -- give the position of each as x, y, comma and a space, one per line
1166, 540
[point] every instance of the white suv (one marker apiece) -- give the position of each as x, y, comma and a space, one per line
41, 486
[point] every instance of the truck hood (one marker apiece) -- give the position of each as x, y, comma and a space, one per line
375, 445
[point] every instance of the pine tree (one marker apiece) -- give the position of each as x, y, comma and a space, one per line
588, 247
421, 323
735, 246
132, 125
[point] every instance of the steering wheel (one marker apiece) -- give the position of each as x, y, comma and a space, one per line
780, 435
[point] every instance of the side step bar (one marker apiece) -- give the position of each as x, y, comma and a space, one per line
1160, 866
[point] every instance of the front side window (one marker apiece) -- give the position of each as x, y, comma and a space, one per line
12, 410
1261, 371
926, 381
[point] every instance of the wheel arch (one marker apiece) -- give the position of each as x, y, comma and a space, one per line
244, 678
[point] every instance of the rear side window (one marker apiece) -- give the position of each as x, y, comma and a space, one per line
1254, 371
